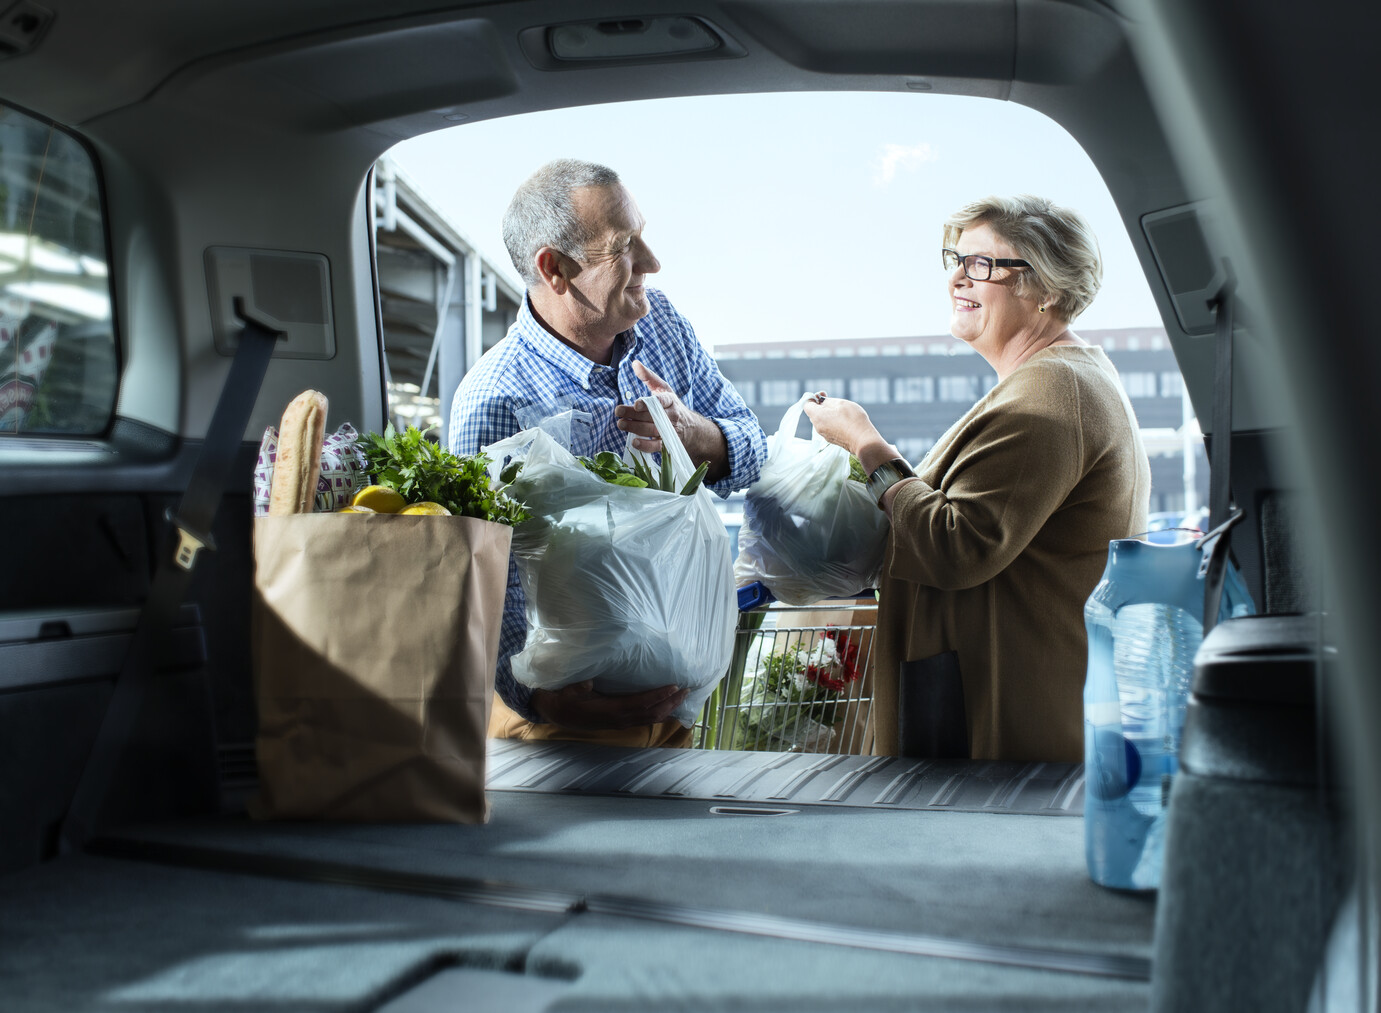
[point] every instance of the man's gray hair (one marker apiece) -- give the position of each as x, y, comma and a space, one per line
542, 213
1066, 265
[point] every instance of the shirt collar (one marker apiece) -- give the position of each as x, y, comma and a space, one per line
562, 355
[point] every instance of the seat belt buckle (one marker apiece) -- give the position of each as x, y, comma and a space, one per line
189, 543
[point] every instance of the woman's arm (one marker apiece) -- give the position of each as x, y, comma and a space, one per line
1013, 464
847, 425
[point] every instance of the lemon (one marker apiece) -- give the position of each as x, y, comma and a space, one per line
353, 509
378, 498
426, 508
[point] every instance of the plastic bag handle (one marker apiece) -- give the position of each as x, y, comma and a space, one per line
791, 418
681, 467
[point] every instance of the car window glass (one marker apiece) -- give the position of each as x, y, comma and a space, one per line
58, 365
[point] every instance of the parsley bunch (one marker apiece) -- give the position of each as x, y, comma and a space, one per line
421, 471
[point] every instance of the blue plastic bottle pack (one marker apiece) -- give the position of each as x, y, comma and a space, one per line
1145, 623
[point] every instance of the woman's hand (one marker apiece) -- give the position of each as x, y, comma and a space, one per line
846, 424
841, 422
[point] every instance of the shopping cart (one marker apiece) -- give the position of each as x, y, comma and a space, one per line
800, 679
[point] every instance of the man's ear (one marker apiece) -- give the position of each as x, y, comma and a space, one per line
556, 269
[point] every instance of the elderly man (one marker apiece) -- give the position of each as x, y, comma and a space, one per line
591, 337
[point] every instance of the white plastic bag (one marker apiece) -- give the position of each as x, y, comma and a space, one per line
809, 530
632, 588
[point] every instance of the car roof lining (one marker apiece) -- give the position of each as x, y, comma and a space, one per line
129, 58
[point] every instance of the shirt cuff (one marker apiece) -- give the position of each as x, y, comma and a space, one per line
746, 449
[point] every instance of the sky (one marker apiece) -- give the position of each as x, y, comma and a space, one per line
794, 216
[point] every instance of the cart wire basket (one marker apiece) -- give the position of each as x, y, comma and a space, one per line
800, 679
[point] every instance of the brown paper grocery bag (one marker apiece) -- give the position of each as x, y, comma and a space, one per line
374, 643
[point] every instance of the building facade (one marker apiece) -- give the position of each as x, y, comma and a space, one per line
443, 302
915, 388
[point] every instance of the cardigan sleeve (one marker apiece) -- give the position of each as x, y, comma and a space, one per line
1008, 468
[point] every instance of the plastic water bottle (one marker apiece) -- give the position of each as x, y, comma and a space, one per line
1145, 623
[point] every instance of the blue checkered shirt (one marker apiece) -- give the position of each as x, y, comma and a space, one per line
530, 374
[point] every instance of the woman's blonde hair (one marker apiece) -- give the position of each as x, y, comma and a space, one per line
1066, 265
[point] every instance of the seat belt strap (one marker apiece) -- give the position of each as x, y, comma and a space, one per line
189, 533
1222, 515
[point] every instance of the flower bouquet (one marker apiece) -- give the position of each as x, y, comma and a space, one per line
791, 699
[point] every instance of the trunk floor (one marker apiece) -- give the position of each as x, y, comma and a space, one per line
608, 901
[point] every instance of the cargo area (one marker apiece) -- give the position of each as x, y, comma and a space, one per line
579, 885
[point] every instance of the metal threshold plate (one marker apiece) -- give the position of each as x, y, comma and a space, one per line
778, 779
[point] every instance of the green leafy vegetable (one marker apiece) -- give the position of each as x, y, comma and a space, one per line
612, 468
421, 471
856, 472
694, 481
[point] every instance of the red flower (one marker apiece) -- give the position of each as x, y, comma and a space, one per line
836, 677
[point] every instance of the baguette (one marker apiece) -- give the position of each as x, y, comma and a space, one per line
298, 465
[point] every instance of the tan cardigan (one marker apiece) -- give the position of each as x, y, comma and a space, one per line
994, 552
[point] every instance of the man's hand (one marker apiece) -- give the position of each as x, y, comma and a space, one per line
703, 439
579, 706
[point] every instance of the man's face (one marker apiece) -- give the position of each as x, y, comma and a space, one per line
608, 287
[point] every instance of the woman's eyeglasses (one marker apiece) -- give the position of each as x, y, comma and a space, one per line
976, 265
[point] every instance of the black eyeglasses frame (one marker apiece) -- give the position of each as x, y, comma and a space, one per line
992, 262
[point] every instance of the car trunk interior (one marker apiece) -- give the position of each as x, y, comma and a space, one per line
603, 879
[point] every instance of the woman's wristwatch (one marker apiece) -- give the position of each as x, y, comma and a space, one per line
886, 475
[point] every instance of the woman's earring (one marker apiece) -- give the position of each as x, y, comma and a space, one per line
1042, 309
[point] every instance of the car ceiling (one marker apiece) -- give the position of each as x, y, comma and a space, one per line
357, 61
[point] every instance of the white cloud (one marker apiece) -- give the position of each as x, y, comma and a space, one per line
893, 157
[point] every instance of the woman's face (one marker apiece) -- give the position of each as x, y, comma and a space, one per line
987, 314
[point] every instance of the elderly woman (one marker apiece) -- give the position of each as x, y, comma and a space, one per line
1000, 537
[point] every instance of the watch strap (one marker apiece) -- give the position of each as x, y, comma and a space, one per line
886, 475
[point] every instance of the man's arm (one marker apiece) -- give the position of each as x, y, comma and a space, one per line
720, 428
703, 439
479, 419
579, 706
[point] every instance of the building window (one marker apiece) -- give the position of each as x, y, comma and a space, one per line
911, 389
959, 388
780, 392
868, 390
747, 389
1171, 384
1139, 384
833, 386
